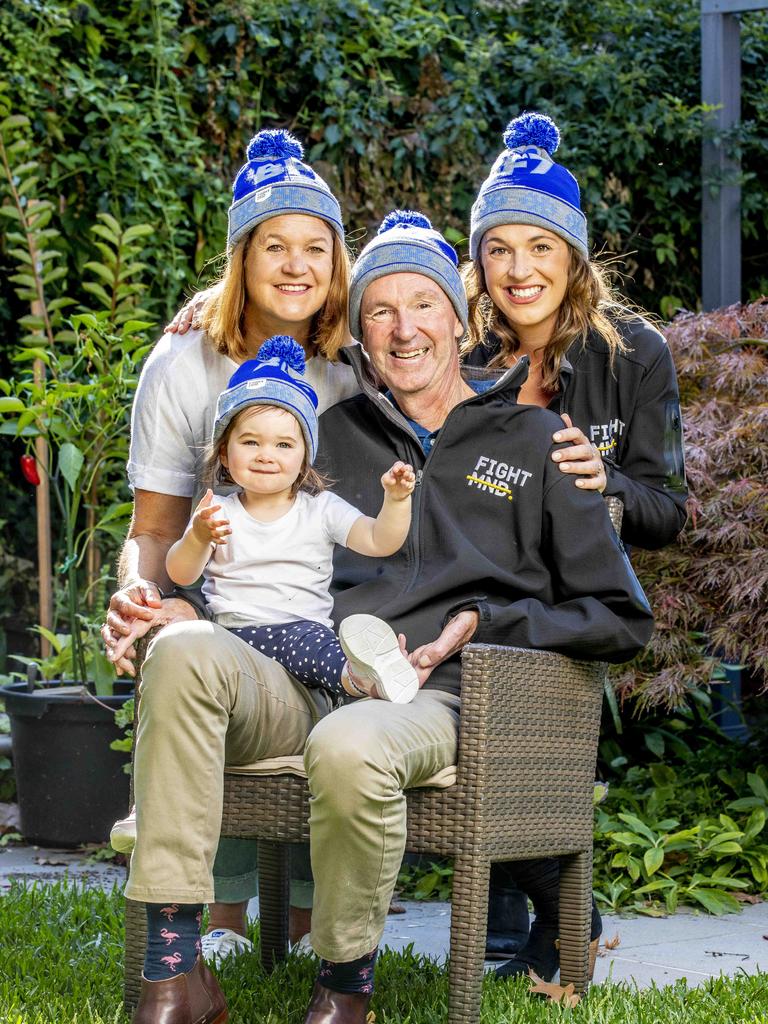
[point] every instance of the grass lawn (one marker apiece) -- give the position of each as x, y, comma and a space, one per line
61, 963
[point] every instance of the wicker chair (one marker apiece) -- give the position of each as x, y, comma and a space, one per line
524, 783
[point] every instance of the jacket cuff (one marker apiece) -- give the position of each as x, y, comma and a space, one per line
613, 477
472, 604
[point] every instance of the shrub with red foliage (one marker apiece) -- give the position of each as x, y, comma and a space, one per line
709, 590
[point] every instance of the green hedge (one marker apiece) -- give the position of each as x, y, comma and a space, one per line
143, 110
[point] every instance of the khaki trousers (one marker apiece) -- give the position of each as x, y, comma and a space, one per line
359, 760
208, 699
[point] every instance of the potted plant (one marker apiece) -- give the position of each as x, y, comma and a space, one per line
62, 726
72, 390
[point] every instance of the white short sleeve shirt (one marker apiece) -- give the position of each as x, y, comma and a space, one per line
277, 572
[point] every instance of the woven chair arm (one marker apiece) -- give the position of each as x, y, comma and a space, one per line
522, 707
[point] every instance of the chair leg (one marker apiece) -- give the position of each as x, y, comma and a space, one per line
273, 902
575, 916
469, 921
135, 943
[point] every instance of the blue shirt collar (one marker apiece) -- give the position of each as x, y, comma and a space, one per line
426, 437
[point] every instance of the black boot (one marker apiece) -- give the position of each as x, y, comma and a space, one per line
541, 880
508, 923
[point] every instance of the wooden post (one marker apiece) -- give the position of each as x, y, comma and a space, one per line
42, 498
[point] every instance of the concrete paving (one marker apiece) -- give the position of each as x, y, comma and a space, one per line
650, 951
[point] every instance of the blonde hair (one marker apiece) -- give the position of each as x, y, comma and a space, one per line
222, 314
589, 304
215, 472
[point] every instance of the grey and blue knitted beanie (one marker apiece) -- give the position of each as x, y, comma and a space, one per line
406, 242
274, 377
526, 186
274, 181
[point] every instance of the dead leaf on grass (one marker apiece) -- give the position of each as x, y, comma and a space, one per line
554, 992
371, 1018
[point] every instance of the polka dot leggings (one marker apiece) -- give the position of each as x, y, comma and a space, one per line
309, 651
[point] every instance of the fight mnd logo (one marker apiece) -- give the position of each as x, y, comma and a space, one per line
497, 478
605, 435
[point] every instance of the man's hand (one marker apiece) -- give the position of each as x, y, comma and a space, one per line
137, 600
582, 458
399, 481
205, 527
124, 626
457, 633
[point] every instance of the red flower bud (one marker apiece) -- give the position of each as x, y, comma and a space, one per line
29, 469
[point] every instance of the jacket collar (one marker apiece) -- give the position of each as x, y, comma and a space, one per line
508, 382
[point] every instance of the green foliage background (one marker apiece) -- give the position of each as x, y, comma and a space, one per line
144, 109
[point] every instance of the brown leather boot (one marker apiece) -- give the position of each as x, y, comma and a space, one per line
193, 998
328, 1007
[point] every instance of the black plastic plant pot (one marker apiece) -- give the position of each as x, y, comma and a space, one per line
71, 786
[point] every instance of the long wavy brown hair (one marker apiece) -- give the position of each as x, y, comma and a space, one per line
222, 314
589, 304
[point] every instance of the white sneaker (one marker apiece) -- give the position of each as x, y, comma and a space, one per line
123, 835
217, 945
374, 656
303, 947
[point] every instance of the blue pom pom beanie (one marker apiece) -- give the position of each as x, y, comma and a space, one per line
274, 181
526, 186
274, 377
406, 242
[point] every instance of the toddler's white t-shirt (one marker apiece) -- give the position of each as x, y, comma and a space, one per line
279, 571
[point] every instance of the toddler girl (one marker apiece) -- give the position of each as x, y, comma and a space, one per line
265, 552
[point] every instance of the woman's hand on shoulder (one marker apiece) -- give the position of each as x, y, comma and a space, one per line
582, 457
188, 315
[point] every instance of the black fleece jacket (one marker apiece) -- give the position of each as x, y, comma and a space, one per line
496, 527
631, 411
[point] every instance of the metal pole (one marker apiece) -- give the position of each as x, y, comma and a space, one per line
721, 167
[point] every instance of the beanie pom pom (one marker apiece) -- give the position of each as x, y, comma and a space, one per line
532, 130
284, 348
404, 219
276, 143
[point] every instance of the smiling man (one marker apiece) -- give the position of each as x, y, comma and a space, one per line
502, 549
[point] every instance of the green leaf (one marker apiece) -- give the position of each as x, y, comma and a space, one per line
755, 822
723, 848
655, 743
101, 271
70, 463
134, 326
638, 825
56, 640
138, 231
757, 786
11, 405
716, 902
653, 859
14, 121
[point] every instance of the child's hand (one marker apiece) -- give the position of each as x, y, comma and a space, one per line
205, 528
399, 481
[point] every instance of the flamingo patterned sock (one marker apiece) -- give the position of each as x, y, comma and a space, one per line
354, 976
173, 939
